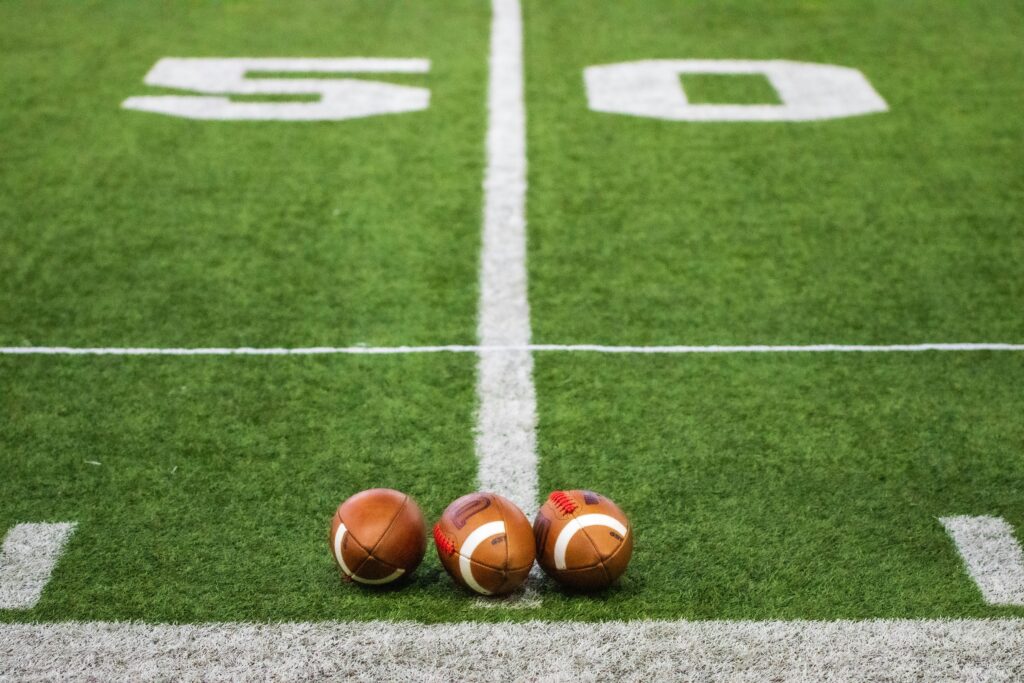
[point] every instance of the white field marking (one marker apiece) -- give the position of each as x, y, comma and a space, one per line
339, 98
992, 555
576, 524
30, 552
506, 441
469, 547
918, 650
808, 92
339, 536
495, 349
506, 429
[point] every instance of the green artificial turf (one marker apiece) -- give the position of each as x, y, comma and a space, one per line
759, 486
218, 480
899, 227
788, 486
125, 228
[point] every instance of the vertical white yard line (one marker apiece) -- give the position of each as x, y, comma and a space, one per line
506, 431
29, 554
993, 557
506, 442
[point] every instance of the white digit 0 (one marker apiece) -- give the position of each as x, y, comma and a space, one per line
654, 89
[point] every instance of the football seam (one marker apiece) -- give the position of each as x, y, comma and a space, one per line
369, 556
501, 512
504, 573
390, 524
601, 562
369, 551
600, 558
490, 566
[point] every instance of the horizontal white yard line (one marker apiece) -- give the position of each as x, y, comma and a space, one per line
475, 348
239, 351
927, 650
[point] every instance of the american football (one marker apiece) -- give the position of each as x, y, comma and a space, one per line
584, 541
378, 536
485, 543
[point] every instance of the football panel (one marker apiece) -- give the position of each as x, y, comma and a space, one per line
591, 578
405, 542
368, 514
468, 513
348, 554
478, 577
605, 523
487, 545
374, 571
471, 575
606, 535
514, 578
485, 580
519, 541
572, 548
616, 563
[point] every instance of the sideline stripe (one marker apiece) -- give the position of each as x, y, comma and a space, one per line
923, 650
506, 441
490, 349
29, 554
992, 555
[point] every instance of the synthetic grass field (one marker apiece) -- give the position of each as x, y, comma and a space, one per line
776, 485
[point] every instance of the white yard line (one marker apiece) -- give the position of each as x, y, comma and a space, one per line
491, 349
506, 440
30, 552
232, 351
992, 555
922, 650
506, 429
787, 348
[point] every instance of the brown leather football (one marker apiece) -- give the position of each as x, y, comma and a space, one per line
485, 542
377, 536
584, 541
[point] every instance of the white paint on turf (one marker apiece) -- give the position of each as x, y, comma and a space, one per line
506, 442
653, 89
992, 555
506, 430
919, 650
498, 348
337, 98
30, 552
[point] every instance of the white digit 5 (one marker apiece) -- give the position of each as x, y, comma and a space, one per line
339, 98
